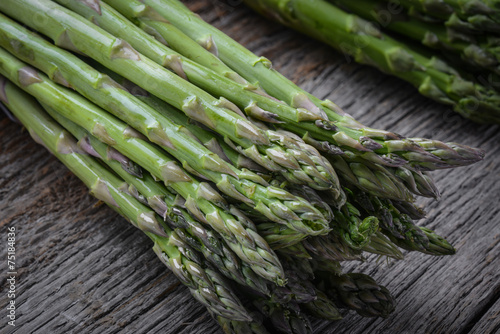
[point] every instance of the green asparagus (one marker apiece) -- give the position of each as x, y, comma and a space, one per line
468, 15
331, 248
291, 210
216, 157
475, 53
358, 292
71, 31
201, 200
204, 283
381, 245
400, 228
286, 318
318, 170
140, 12
258, 71
108, 19
214, 143
160, 199
322, 308
230, 326
346, 32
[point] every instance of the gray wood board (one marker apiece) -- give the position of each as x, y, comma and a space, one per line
82, 268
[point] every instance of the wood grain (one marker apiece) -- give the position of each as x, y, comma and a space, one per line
81, 268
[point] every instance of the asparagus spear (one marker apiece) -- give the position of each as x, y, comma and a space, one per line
279, 236
71, 31
207, 138
286, 318
258, 70
160, 199
437, 244
375, 179
136, 10
230, 326
299, 288
298, 251
201, 200
317, 172
382, 245
275, 204
322, 307
325, 265
117, 25
357, 292
345, 32
331, 248
354, 230
215, 144
204, 283
475, 53
412, 210
401, 229
468, 15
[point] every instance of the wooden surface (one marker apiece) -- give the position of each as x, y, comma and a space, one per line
81, 268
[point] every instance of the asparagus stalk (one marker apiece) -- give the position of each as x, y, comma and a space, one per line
331, 248
299, 288
382, 245
230, 326
275, 204
71, 31
345, 32
437, 244
357, 292
468, 15
201, 200
317, 172
434, 35
117, 25
286, 318
401, 229
258, 70
136, 10
204, 283
159, 198
215, 144
298, 251
279, 236
324, 265
354, 230
208, 139
322, 308
384, 182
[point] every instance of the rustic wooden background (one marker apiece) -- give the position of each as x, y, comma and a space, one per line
81, 268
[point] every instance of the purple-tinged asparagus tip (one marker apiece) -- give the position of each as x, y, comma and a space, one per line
467, 153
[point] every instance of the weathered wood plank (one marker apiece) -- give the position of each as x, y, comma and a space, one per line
490, 321
84, 269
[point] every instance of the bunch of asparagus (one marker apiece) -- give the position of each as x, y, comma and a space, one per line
252, 190
447, 49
